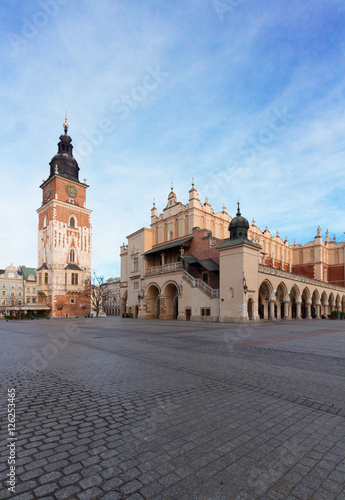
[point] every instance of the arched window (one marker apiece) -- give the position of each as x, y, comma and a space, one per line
301, 257
45, 221
72, 255
72, 222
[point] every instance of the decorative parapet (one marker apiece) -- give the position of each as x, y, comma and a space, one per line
298, 277
166, 268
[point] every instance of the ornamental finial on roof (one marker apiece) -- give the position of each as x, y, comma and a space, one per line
238, 208
193, 182
172, 187
65, 125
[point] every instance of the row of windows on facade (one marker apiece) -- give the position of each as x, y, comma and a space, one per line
72, 221
74, 278
12, 286
12, 302
28, 290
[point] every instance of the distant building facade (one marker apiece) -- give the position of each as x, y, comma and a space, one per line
12, 288
30, 285
111, 297
195, 264
64, 237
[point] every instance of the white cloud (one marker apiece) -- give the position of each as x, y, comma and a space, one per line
226, 81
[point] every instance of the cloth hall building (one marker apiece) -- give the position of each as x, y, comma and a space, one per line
195, 264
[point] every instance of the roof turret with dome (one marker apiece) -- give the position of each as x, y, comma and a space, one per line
64, 163
239, 226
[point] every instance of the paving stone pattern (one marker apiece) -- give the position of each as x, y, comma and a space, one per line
168, 410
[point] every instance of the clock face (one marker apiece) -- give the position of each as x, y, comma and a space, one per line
71, 190
48, 191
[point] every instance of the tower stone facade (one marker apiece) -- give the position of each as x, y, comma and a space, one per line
64, 237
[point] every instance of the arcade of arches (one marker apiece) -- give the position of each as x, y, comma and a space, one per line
301, 301
277, 299
156, 303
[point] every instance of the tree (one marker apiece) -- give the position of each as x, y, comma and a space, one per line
93, 290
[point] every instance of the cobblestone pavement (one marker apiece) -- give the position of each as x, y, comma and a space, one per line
119, 408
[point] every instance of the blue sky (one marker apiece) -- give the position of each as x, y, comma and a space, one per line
245, 97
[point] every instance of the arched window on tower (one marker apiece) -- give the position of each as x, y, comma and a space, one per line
72, 222
72, 255
45, 221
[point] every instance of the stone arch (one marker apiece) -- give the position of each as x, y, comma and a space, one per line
295, 301
306, 304
331, 302
170, 293
281, 309
266, 296
315, 304
152, 300
324, 302
338, 302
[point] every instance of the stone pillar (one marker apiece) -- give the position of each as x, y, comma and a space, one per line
309, 310
271, 310
298, 310
286, 309
318, 311
162, 312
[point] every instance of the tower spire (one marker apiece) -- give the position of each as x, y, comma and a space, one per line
238, 208
65, 125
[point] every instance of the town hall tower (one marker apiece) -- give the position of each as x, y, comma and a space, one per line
64, 237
